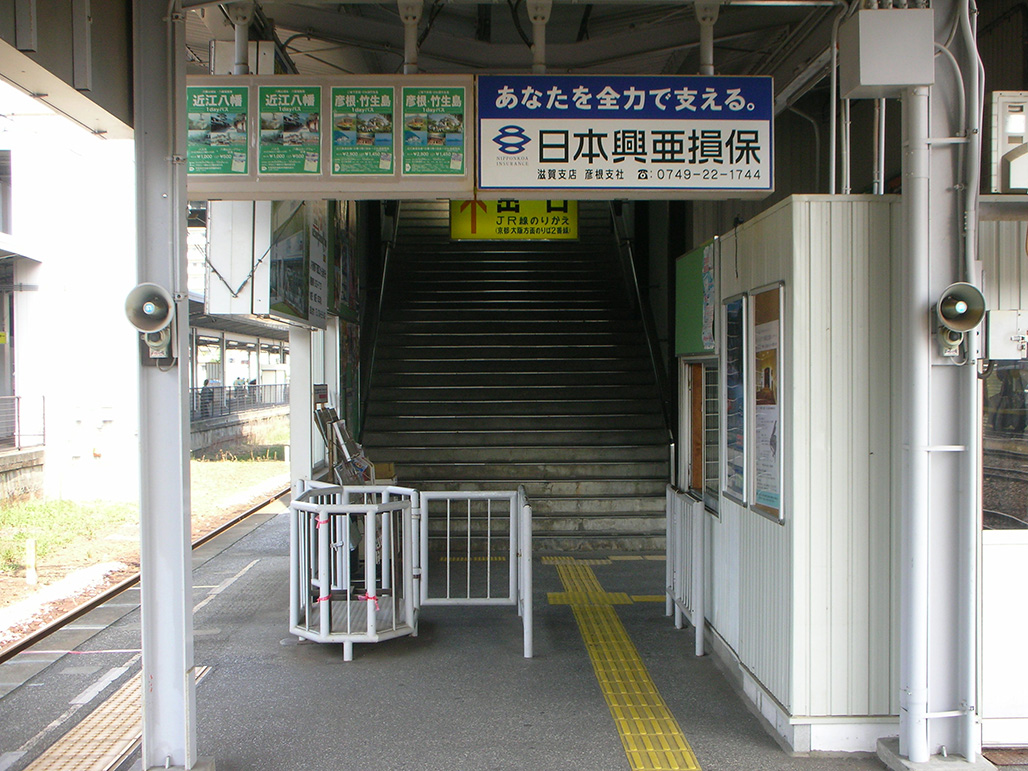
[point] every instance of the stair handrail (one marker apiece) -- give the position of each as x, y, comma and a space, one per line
388, 248
627, 258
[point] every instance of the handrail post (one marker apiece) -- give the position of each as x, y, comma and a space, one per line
670, 550
526, 572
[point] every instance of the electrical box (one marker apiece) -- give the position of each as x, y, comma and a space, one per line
1008, 142
882, 52
1006, 335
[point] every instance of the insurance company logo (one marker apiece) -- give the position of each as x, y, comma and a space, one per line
511, 139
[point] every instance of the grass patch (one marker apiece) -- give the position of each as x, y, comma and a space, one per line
216, 483
55, 525
213, 481
269, 452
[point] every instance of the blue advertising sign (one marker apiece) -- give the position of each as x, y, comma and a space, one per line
672, 133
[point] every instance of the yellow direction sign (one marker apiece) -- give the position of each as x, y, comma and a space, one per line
513, 220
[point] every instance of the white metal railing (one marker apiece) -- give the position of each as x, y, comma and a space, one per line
685, 553
331, 599
471, 534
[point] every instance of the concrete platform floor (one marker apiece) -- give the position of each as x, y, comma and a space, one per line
459, 697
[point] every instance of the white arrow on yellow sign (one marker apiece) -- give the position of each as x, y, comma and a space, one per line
514, 220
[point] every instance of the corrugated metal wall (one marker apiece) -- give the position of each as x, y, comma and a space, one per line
1003, 248
799, 602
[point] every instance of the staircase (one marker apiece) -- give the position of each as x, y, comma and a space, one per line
506, 363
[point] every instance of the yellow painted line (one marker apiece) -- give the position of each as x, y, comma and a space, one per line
648, 597
574, 561
497, 558
628, 558
105, 737
651, 736
655, 557
589, 598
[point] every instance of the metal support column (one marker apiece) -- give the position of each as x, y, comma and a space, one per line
169, 694
301, 430
916, 301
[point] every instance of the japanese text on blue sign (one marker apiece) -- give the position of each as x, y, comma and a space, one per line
621, 132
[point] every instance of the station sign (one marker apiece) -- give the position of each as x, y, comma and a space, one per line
667, 134
513, 220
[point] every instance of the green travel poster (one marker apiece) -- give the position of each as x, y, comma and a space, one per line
216, 130
290, 130
362, 131
433, 130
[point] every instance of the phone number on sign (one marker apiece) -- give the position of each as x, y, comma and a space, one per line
709, 175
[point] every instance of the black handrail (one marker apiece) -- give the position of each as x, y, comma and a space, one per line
372, 330
627, 257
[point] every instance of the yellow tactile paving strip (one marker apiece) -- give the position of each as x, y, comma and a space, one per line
574, 561
651, 736
105, 737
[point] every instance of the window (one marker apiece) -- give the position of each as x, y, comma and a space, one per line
704, 445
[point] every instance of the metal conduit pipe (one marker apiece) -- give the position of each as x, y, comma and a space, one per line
970, 413
539, 13
916, 300
817, 143
878, 175
706, 15
847, 124
410, 12
241, 16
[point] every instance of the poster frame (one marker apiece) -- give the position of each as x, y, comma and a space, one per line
736, 493
775, 514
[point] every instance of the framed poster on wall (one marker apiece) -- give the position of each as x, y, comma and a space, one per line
767, 392
734, 393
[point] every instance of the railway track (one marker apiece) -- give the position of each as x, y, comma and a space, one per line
1004, 488
113, 591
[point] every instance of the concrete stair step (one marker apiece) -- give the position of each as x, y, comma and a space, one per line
508, 423
401, 341
462, 315
582, 506
514, 408
456, 381
556, 437
595, 366
557, 455
400, 390
523, 472
585, 542
558, 494
635, 525
511, 350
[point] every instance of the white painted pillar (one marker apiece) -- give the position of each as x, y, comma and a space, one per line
915, 305
539, 14
301, 422
410, 13
169, 693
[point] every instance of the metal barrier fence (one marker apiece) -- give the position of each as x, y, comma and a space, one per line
333, 530
217, 401
470, 533
22, 422
685, 570
401, 536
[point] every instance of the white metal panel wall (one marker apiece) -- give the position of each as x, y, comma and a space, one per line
1003, 248
754, 255
807, 605
844, 556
